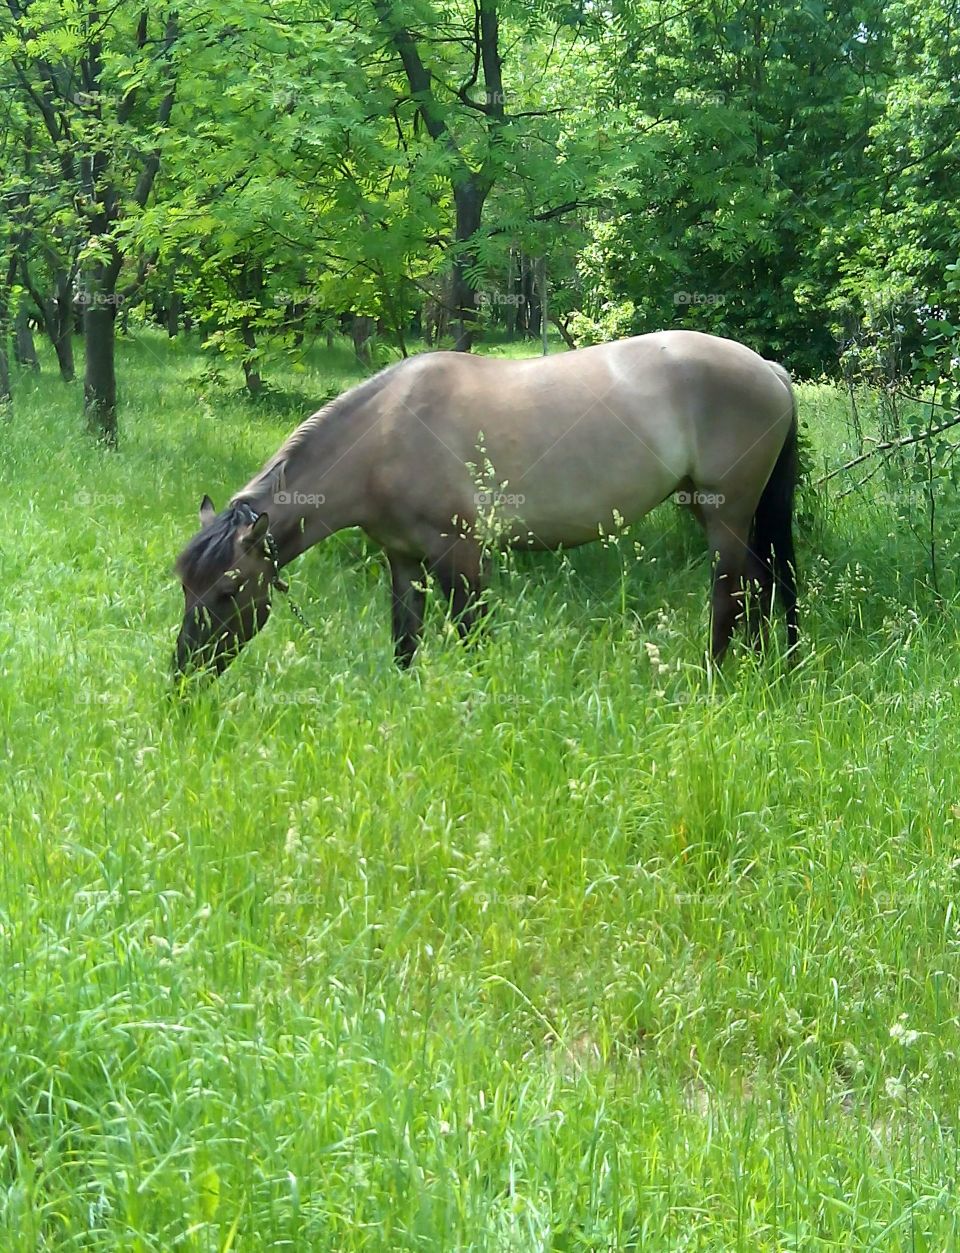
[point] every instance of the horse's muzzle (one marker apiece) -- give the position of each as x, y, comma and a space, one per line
209, 658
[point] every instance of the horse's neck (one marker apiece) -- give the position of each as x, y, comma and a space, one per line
318, 489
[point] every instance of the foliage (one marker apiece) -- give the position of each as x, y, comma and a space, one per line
785, 175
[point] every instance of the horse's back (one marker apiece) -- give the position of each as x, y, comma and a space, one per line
676, 370
570, 439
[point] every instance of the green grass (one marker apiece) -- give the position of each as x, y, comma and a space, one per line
548, 945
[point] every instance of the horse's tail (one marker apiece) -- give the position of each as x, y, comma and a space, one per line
772, 533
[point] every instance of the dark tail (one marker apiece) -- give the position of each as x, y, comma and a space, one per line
772, 534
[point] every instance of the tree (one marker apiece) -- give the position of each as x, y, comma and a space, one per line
760, 115
452, 62
101, 88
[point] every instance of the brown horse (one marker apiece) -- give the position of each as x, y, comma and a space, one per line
445, 453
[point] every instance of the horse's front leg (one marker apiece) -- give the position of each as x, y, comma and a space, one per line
458, 571
407, 598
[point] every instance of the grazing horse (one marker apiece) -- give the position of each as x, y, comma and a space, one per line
442, 454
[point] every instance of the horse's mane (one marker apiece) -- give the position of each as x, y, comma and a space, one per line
341, 405
210, 552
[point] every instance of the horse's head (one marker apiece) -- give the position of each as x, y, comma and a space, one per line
227, 570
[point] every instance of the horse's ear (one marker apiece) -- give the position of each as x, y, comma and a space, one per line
257, 530
207, 511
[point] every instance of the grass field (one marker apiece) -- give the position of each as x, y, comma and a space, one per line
549, 945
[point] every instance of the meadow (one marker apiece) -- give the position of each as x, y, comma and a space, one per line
552, 944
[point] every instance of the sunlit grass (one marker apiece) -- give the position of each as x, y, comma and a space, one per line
547, 945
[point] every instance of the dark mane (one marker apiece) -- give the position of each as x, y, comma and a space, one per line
210, 552
344, 405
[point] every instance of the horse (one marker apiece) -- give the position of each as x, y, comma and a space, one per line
442, 454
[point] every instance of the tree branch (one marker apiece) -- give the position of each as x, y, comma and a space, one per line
152, 163
890, 445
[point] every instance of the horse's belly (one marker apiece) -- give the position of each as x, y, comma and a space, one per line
524, 525
585, 484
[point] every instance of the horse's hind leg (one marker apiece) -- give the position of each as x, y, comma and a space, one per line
458, 571
728, 539
759, 579
407, 599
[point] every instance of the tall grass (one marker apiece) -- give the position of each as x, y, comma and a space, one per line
548, 945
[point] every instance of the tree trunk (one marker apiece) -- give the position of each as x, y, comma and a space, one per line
63, 341
468, 201
61, 333
470, 187
6, 396
523, 297
433, 317
100, 379
513, 296
295, 320
531, 298
564, 330
24, 351
361, 332
173, 315
251, 373
56, 313
542, 276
